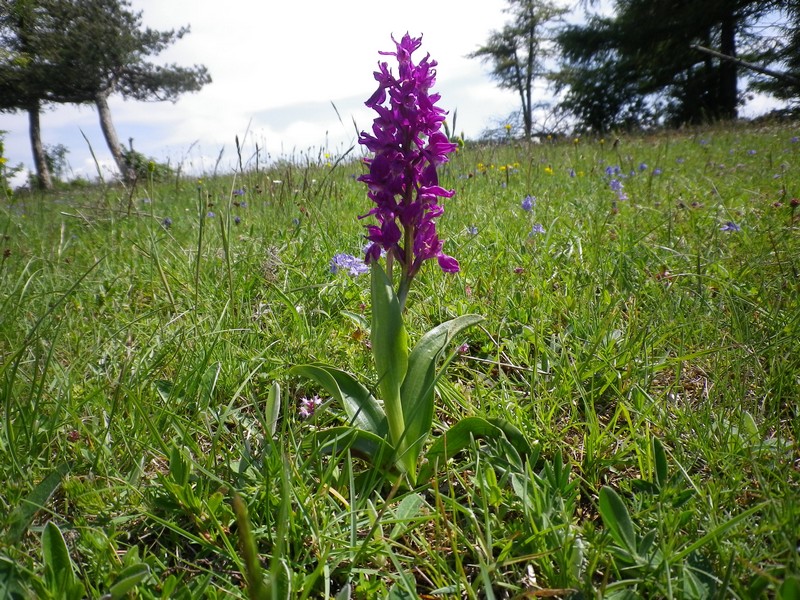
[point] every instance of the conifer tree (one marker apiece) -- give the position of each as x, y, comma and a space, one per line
82, 52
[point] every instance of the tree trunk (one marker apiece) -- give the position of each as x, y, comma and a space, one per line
110, 133
527, 106
42, 172
728, 72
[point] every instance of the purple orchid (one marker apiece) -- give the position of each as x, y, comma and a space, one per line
408, 146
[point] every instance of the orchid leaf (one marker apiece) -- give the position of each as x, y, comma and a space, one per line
59, 570
363, 410
461, 435
417, 391
389, 347
617, 520
362, 444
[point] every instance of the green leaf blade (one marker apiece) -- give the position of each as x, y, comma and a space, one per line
127, 580
617, 519
23, 515
59, 571
460, 436
417, 391
363, 444
389, 348
362, 409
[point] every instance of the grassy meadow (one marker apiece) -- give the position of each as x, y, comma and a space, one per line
643, 335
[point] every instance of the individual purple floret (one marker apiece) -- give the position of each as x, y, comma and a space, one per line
407, 147
308, 406
616, 185
528, 203
349, 264
538, 229
730, 226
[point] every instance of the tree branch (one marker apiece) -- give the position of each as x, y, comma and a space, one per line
748, 65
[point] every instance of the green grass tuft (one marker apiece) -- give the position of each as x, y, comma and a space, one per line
645, 349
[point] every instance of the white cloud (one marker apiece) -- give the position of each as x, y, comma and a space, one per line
276, 68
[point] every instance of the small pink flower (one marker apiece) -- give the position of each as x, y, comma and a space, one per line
308, 406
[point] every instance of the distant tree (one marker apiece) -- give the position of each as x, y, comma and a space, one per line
784, 38
596, 84
56, 158
26, 69
83, 51
517, 52
108, 51
645, 52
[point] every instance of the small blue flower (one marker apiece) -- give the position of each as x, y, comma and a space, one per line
730, 227
239, 192
572, 173
348, 263
528, 203
656, 171
643, 167
795, 139
616, 185
472, 230
751, 152
295, 221
211, 215
538, 229
166, 223
237, 219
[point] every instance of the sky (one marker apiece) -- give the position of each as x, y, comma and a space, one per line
278, 70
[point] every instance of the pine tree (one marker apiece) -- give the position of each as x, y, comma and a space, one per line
82, 52
646, 52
